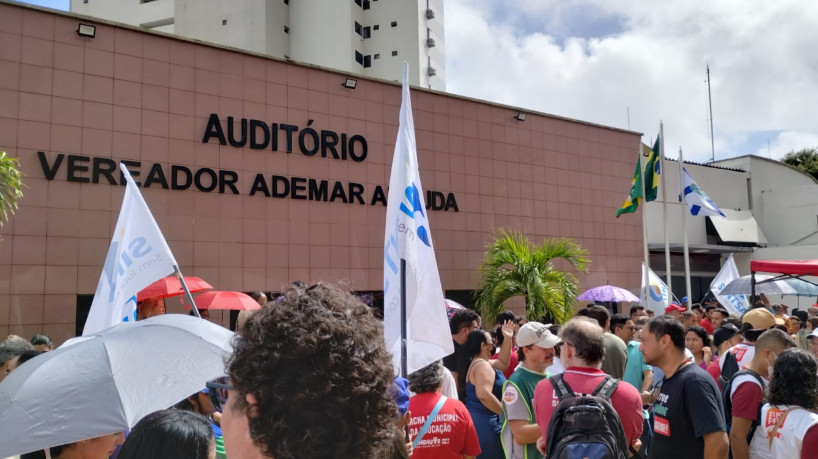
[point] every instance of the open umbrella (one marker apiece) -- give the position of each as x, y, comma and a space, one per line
170, 286
452, 307
215, 299
100, 384
608, 293
742, 286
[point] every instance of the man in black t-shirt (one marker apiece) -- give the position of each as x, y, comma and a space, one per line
688, 412
461, 324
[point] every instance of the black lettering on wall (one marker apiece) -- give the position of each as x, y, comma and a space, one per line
259, 184
319, 191
338, 192
298, 184
74, 167
289, 129
356, 191
329, 140
174, 177
214, 128
107, 170
358, 157
50, 171
228, 179
277, 179
156, 175
197, 179
231, 138
378, 196
451, 203
265, 135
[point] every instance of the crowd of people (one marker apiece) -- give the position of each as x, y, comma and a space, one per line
310, 377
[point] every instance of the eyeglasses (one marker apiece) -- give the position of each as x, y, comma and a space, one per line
218, 392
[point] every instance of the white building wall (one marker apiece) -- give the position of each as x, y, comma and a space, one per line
791, 215
154, 14
237, 24
728, 189
322, 32
318, 32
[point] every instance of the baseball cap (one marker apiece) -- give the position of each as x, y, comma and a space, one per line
724, 333
759, 319
536, 333
674, 307
813, 334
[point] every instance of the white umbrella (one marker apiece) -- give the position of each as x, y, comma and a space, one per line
105, 383
741, 286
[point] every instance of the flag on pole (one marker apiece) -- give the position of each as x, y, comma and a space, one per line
408, 237
652, 171
735, 304
654, 296
697, 200
635, 194
138, 256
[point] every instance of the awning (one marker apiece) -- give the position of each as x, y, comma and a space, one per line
739, 227
788, 267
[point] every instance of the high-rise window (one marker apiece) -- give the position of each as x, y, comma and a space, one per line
359, 58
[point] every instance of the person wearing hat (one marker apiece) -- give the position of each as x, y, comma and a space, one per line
535, 349
725, 337
675, 311
813, 342
753, 323
798, 328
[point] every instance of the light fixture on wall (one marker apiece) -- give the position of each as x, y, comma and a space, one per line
350, 83
87, 30
520, 116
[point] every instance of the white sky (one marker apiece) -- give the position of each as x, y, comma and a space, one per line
596, 60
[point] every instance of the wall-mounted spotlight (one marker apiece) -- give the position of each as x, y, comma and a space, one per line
520, 116
350, 83
87, 30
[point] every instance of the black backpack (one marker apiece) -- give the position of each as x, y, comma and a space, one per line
727, 401
585, 426
728, 369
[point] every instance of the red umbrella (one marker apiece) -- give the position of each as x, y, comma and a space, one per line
226, 300
170, 286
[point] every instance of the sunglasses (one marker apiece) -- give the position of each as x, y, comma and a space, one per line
218, 392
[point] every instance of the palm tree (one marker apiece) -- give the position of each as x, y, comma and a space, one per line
11, 186
513, 266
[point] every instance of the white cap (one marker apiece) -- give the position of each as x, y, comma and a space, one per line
536, 333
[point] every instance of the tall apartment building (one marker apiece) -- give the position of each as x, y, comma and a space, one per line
366, 37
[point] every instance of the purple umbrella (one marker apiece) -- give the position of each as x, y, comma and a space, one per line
608, 293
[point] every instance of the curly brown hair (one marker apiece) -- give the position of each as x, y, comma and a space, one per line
317, 363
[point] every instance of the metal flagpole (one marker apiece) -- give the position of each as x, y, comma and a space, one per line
646, 277
187, 292
403, 333
684, 226
668, 279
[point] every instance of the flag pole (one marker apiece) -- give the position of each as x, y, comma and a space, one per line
645, 276
668, 279
684, 226
403, 333
187, 291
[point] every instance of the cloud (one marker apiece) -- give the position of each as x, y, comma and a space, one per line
650, 61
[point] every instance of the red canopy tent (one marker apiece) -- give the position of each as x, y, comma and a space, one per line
787, 269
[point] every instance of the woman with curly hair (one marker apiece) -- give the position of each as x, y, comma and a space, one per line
310, 378
697, 341
480, 386
789, 418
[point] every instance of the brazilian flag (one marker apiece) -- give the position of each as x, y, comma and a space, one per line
635, 195
652, 172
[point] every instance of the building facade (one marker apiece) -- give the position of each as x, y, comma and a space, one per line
261, 171
365, 37
771, 214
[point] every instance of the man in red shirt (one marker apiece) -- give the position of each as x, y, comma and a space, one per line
581, 353
746, 395
451, 435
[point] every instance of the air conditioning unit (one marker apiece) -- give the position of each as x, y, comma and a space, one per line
430, 42
430, 14
431, 71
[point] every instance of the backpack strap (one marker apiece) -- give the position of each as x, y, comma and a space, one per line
429, 420
561, 389
606, 388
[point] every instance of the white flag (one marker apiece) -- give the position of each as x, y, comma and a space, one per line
137, 257
408, 237
735, 304
655, 296
697, 200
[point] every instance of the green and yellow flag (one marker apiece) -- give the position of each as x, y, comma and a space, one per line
652, 171
635, 195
